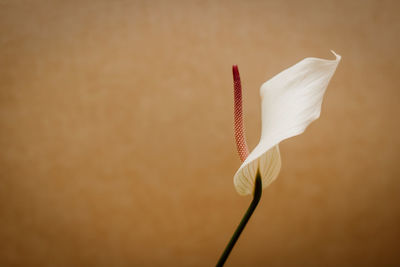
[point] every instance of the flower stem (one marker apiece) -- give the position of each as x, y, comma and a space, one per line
243, 222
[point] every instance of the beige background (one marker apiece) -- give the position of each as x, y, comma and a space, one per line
116, 134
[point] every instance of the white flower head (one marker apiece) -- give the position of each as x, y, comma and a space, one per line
290, 101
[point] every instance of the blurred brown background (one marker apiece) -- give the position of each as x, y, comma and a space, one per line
116, 134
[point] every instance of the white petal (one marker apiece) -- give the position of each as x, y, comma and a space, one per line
290, 101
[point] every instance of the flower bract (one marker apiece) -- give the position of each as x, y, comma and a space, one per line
290, 101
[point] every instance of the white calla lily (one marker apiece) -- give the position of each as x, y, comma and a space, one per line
290, 101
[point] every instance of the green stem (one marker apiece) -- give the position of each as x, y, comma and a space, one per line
243, 222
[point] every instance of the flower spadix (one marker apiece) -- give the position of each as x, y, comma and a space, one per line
290, 101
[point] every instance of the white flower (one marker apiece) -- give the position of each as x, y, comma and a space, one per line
290, 102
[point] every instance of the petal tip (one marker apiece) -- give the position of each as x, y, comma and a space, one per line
338, 57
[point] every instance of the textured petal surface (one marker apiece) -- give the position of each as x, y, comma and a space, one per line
290, 101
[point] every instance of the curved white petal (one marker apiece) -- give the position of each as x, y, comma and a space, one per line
290, 101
